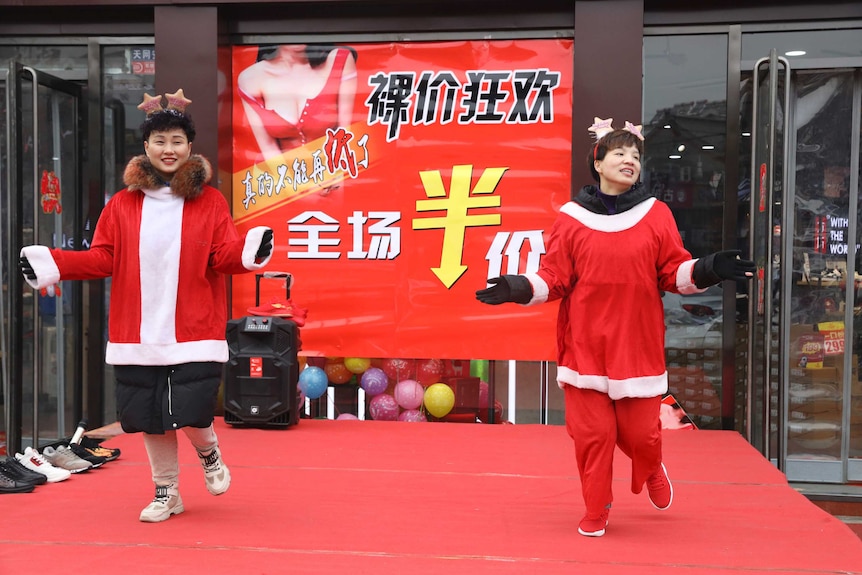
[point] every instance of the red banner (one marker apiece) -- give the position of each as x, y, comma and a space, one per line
397, 178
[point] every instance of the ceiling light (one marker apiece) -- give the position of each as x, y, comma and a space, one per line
795, 53
707, 147
674, 156
680, 148
666, 126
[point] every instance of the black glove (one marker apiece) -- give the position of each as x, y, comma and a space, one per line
265, 245
509, 288
719, 266
26, 268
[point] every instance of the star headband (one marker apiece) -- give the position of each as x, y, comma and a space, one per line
602, 128
177, 103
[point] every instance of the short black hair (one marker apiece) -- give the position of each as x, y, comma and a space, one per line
612, 141
166, 121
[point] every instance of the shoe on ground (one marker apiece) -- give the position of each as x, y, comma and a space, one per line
95, 460
593, 525
281, 308
94, 447
167, 502
660, 489
33, 460
14, 469
11, 485
65, 458
216, 473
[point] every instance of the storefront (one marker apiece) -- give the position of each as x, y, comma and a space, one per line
751, 146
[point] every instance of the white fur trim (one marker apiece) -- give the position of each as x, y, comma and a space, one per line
540, 289
605, 223
684, 281
252, 244
166, 354
644, 386
40, 258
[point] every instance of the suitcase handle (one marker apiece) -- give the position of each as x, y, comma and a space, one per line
286, 276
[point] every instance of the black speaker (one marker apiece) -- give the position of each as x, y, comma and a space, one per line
261, 376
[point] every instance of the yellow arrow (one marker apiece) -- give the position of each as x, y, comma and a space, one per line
456, 207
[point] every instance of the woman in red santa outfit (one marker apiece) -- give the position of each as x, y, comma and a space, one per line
611, 252
166, 241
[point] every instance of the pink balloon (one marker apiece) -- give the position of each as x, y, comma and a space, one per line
347, 416
409, 393
383, 407
412, 415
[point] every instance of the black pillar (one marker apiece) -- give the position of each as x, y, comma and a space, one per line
186, 40
608, 72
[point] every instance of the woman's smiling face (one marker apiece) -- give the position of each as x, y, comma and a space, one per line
168, 151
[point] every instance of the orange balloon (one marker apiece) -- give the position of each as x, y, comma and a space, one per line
337, 372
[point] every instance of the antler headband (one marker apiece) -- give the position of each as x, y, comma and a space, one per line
177, 103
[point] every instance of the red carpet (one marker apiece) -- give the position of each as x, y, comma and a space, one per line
424, 498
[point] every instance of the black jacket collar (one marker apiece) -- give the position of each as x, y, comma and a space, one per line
589, 199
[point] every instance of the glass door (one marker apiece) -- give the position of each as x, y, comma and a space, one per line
821, 310
805, 393
41, 205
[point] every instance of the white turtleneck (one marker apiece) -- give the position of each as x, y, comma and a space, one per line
159, 252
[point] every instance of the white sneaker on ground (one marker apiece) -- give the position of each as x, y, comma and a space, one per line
167, 502
216, 473
33, 460
65, 458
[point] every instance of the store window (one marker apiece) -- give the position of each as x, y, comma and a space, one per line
398, 178
685, 113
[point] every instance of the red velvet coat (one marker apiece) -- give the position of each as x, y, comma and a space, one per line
167, 250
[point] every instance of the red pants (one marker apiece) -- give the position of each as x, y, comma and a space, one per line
597, 424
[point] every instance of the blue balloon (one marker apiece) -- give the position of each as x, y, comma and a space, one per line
313, 381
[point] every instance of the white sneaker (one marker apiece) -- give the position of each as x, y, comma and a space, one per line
167, 502
216, 472
33, 460
65, 458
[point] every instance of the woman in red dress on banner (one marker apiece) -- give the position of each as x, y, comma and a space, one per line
293, 95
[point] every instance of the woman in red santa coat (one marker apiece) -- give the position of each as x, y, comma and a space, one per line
166, 240
611, 252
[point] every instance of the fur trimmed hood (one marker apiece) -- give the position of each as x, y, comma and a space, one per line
188, 181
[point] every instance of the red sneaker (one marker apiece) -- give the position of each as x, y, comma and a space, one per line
660, 489
281, 308
593, 525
